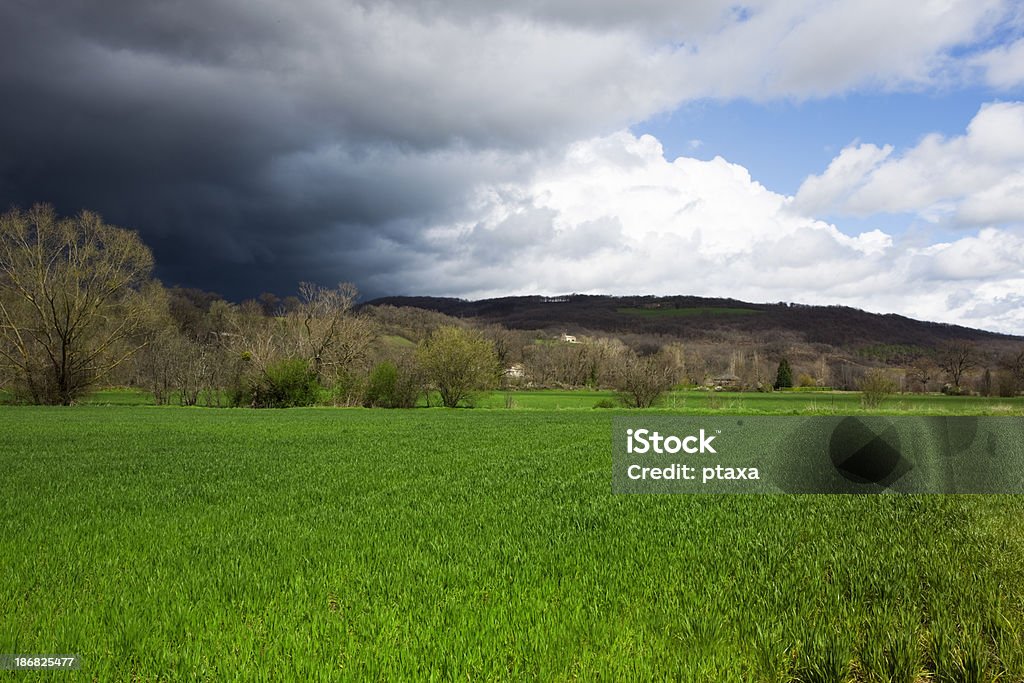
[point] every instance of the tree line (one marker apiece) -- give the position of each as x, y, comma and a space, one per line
79, 308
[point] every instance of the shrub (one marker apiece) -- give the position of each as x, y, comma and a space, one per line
641, 381
875, 387
285, 384
390, 386
380, 386
605, 403
459, 362
1007, 385
348, 388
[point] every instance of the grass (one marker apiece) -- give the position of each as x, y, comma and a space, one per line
394, 340
690, 312
311, 544
794, 402
752, 403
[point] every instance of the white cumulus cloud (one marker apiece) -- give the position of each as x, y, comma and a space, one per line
613, 215
1003, 65
972, 180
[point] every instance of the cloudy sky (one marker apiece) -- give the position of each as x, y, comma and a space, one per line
858, 152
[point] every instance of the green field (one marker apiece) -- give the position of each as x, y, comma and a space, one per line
753, 403
394, 340
696, 402
318, 544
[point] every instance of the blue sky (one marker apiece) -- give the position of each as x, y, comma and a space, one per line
784, 141
781, 142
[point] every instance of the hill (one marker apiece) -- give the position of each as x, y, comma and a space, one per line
691, 317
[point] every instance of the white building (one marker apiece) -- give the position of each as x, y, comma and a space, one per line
516, 371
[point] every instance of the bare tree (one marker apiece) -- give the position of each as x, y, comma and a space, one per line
1016, 367
675, 354
72, 301
155, 366
327, 331
253, 337
922, 371
322, 328
875, 387
605, 354
987, 383
505, 343
564, 365
270, 303
696, 368
956, 359
641, 380
574, 364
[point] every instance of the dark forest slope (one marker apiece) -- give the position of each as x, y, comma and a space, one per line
696, 317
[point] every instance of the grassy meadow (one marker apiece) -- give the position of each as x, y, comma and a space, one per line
694, 402
753, 403
168, 543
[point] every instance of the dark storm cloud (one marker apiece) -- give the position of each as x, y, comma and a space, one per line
94, 124
250, 148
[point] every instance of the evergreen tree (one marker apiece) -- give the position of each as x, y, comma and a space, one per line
784, 377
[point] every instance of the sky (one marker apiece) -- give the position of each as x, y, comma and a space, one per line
853, 152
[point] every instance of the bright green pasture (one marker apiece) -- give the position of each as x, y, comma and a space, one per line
318, 544
749, 403
696, 402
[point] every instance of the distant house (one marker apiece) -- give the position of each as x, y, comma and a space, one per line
726, 381
569, 339
515, 371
